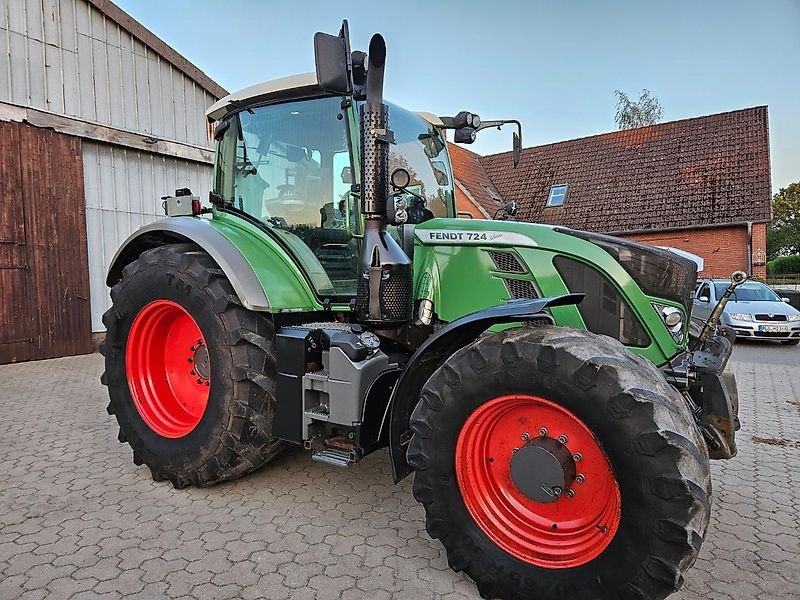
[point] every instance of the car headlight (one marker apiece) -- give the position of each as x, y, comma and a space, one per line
673, 319
794, 317
741, 316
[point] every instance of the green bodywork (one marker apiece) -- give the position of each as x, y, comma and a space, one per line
459, 277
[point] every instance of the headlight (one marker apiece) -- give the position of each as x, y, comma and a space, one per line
741, 316
673, 319
794, 317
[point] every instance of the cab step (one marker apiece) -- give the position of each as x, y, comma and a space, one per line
335, 457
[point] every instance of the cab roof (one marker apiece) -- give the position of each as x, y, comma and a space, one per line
279, 89
284, 87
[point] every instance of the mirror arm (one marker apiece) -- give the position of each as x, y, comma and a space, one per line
517, 151
499, 124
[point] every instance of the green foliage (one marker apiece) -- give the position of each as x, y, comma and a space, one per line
783, 234
637, 113
784, 265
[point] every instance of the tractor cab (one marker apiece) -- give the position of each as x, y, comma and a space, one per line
288, 159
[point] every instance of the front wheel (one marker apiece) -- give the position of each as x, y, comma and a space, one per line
190, 372
553, 463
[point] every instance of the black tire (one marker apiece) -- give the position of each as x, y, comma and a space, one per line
233, 434
642, 423
790, 342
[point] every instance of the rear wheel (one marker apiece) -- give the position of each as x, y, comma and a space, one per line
190, 372
553, 463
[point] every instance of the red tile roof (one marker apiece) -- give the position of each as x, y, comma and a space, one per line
472, 180
696, 172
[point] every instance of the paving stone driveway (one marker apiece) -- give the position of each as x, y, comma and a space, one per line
79, 520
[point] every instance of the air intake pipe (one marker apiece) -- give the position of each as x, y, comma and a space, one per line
384, 293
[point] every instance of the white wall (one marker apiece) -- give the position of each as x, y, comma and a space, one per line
68, 58
123, 190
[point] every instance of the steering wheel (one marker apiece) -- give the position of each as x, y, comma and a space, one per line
285, 189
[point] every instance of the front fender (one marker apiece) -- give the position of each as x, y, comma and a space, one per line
192, 229
435, 350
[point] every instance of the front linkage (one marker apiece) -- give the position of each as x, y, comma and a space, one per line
702, 373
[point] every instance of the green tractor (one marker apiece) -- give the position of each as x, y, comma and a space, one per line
541, 383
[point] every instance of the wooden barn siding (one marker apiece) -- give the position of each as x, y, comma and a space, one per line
42, 181
69, 58
123, 192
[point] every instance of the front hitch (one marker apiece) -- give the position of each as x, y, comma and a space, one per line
713, 386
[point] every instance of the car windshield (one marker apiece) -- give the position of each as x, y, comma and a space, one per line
750, 291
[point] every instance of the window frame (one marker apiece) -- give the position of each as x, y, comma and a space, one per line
351, 120
549, 203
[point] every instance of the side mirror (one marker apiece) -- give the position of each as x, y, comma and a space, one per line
786, 300
332, 61
704, 298
516, 152
400, 178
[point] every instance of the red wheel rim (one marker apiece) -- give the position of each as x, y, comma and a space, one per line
168, 368
567, 532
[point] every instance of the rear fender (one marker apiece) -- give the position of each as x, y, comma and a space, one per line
436, 349
191, 229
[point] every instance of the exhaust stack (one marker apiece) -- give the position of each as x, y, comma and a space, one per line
385, 284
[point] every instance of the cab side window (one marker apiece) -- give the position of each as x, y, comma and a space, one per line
422, 151
704, 292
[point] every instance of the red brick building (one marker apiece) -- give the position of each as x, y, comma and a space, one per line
701, 185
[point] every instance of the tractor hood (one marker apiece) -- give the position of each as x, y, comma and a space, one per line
465, 265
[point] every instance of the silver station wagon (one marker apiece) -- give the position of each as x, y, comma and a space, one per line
754, 311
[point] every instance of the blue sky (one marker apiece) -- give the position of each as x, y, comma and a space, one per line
553, 65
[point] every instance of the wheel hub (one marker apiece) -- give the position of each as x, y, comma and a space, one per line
200, 360
168, 368
543, 469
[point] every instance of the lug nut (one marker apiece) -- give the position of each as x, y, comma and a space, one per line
557, 491
515, 450
570, 494
526, 436
577, 457
543, 431
580, 478
562, 438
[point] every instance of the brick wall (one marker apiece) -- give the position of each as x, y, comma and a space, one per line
724, 249
463, 203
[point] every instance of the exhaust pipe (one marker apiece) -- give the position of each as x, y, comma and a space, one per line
384, 292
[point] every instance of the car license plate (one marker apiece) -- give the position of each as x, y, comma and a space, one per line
773, 328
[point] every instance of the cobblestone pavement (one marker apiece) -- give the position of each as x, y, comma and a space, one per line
79, 520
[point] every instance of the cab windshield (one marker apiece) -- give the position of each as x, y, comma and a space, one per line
288, 165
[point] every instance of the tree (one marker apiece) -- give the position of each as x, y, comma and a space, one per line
783, 234
644, 111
